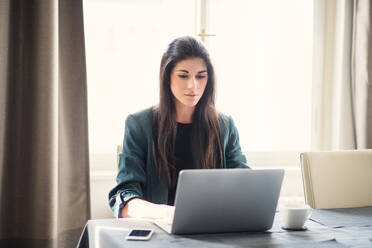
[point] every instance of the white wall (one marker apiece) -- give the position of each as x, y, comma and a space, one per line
100, 184
102, 179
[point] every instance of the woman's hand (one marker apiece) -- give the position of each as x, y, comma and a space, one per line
138, 208
166, 213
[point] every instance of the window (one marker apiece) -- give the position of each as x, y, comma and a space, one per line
124, 44
261, 51
263, 55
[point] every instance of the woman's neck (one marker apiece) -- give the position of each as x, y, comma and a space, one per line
184, 114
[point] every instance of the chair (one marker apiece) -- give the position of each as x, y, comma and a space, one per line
340, 179
119, 149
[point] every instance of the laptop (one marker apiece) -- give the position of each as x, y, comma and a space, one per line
225, 200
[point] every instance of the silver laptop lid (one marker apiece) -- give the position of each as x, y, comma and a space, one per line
226, 200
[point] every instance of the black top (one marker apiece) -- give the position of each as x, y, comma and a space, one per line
183, 157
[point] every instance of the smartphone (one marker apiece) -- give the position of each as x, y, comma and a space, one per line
139, 234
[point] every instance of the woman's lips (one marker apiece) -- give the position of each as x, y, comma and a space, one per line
191, 95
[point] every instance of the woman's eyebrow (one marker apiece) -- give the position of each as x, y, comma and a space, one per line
186, 71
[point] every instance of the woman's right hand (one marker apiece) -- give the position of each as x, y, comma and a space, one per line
166, 213
138, 208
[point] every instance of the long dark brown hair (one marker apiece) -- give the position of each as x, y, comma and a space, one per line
205, 141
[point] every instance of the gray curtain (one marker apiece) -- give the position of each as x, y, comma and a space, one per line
362, 73
44, 165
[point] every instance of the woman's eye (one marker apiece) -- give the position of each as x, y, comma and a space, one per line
200, 77
182, 76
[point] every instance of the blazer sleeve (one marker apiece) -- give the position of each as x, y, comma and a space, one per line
234, 156
131, 178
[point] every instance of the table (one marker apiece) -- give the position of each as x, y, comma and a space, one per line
326, 228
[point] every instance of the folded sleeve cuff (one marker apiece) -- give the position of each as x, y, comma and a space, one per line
121, 200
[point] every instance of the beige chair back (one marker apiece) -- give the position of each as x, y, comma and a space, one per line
119, 149
337, 179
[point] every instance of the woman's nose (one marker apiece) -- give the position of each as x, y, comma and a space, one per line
193, 83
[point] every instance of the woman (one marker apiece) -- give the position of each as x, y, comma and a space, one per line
183, 132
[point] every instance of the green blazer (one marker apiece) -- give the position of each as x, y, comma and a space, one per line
137, 177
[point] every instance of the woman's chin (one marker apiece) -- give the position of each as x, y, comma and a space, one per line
190, 104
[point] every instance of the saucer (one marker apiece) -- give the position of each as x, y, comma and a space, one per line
304, 228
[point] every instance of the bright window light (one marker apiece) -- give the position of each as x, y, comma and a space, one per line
263, 58
124, 44
262, 54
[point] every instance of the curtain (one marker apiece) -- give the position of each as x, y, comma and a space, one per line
332, 115
342, 75
44, 165
362, 73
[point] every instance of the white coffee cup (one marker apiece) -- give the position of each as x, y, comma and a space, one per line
295, 216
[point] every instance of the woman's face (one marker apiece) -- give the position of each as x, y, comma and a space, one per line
188, 80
